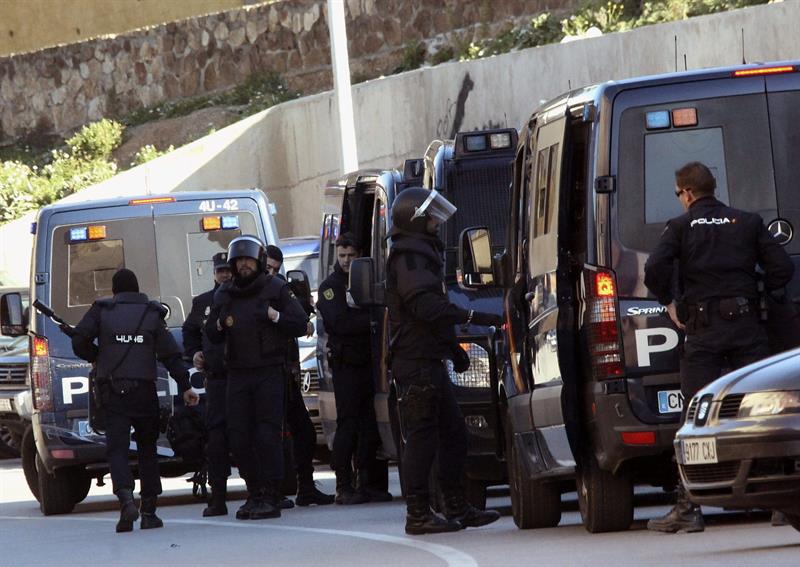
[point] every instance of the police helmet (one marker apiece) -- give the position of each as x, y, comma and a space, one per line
247, 246
414, 206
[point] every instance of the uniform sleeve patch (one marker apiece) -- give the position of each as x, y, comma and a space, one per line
328, 294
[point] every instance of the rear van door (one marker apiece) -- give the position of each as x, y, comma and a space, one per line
724, 123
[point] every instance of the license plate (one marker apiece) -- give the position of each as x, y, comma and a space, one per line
670, 401
5, 405
699, 451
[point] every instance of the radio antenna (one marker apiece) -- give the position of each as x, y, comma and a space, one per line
685, 66
744, 60
676, 53
569, 85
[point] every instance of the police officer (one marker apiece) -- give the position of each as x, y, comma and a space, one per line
131, 334
304, 436
210, 358
255, 315
348, 330
422, 336
715, 250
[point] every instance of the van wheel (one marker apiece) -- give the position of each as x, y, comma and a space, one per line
57, 491
81, 486
605, 499
534, 504
28, 450
9, 443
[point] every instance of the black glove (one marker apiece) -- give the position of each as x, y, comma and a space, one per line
460, 359
487, 319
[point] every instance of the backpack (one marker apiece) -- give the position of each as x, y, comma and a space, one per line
186, 433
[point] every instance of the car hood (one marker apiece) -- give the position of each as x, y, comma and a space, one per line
779, 372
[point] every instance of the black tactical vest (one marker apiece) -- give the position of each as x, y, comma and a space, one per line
129, 325
251, 339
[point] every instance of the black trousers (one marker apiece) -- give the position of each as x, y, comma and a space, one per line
356, 429
255, 423
304, 436
433, 425
137, 409
217, 451
718, 346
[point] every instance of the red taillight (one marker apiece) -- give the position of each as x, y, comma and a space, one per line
764, 71
63, 453
602, 325
151, 201
639, 437
40, 374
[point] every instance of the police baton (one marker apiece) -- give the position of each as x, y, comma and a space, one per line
45, 310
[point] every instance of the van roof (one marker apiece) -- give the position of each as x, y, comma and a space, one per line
125, 201
611, 88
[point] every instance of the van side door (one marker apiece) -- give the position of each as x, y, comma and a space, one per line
550, 328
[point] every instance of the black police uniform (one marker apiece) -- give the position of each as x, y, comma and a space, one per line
255, 355
348, 330
131, 335
422, 336
304, 436
217, 451
712, 252
715, 250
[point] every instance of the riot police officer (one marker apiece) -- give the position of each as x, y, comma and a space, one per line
304, 436
131, 334
715, 250
348, 329
422, 336
210, 358
255, 315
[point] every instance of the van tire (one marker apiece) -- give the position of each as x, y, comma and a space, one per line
81, 486
534, 504
57, 491
28, 451
605, 499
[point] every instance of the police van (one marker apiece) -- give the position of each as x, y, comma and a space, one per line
591, 390
168, 241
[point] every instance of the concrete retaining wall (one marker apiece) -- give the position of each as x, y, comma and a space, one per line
291, 150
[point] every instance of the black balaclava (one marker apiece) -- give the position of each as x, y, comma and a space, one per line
124, 280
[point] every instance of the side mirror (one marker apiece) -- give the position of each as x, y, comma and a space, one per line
475, 259
362, 286
298, 282
12, 315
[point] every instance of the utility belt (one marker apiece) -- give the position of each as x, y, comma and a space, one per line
343, 354
696, 316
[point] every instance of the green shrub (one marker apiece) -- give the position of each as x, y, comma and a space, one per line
414, 55
445, 53
96, 140
607, 16
147, 153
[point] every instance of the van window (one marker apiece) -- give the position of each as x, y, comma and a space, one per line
91, 267
664, 153
543, 189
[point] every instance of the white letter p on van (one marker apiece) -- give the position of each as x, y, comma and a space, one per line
73, 386
644, 348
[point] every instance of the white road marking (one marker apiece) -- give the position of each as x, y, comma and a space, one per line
453, 557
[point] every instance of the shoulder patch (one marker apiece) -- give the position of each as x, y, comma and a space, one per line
328, 294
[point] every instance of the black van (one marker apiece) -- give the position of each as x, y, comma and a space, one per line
168, 241
591, 387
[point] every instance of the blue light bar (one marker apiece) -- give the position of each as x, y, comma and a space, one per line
475, 143
230, 222
78, 234
658, 120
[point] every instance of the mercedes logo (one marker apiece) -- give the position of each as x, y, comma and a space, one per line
781, 230
306, 385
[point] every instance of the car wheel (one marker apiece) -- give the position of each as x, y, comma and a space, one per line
28, 450
9, 444
605, 499
534, 504
57, 491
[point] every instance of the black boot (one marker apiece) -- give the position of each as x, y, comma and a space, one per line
285, 503
684, 516
267, 504
458, 509
243, 513
374, 493
217, 505
308, 493
149, 519
346, 495
420, 519
127, 511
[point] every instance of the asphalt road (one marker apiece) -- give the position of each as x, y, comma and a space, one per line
370, 534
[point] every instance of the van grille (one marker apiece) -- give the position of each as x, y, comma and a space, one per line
730, 406
717, 472
691, 411
310, 377
13, 373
